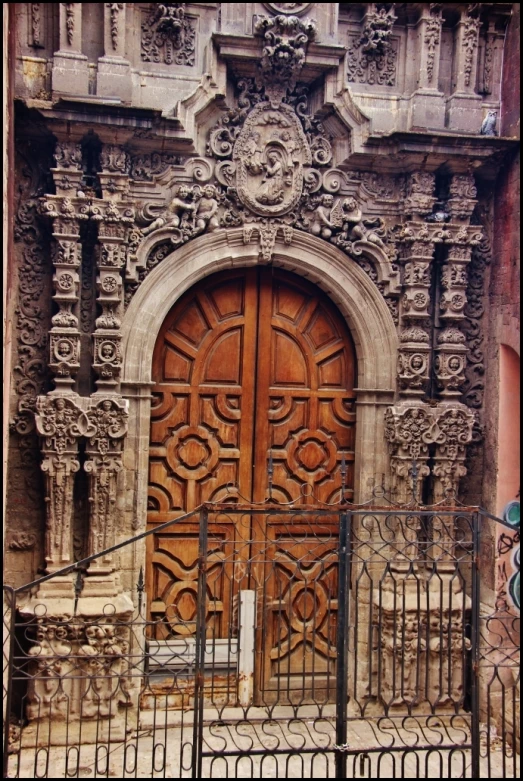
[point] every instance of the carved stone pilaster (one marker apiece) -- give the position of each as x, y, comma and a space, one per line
107, 429
453, 432
71, 27
417, 254
60, 422
409, 432
451, 362
37, 25
431, 26
67, 214
115, 221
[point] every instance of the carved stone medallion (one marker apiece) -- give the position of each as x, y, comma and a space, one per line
270, 154
289, 9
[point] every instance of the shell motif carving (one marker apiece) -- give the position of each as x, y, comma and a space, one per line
270, 154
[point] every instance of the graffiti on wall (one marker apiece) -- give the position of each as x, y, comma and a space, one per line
509, 561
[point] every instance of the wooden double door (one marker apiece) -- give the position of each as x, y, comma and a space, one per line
251, 363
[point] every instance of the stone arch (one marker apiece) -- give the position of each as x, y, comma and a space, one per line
341, 278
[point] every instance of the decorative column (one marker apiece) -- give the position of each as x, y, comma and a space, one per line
465, 111
107, 428
454, 427
60, 422
70, 66
114, 69
67, 213
452, 352
416, 256
115, 218
428, 103
409, 431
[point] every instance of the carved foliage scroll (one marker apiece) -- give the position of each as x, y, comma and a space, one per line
168, 35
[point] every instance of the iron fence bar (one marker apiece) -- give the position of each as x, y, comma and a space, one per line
342, 682
9, 683
501, 521
199, 667
475, 693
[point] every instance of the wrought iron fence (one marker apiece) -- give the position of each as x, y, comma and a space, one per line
285, 642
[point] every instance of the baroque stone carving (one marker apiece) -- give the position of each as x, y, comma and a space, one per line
37, 33
420, 193
472, 325
108, 419
472, 26
415, 431
372, 57
488, 65
146, 167
378, 23
270, 155
433, 39
69, 22
60, 421
285, 44
68, 155
463, 194
22, 541
114, 12
114, 159
168, 35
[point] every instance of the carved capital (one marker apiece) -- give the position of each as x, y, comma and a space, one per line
108, 422
463, 194
420, 194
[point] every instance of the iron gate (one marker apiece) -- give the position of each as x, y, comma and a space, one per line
339, 642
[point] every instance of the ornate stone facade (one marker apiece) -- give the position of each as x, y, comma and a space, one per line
210, 139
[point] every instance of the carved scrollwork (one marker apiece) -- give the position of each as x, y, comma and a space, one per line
168, 35
285, 45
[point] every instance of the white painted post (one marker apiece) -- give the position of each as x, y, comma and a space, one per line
246, 649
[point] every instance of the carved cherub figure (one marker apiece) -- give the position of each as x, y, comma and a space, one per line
206, 217
322, 225
182, 204
253, 154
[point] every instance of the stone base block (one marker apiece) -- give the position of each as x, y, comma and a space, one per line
464, 114
427, 110
70, 74
51, 732
114, 79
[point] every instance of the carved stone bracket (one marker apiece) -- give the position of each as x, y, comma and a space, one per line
267, 232
416, 431
420, 194
284, 51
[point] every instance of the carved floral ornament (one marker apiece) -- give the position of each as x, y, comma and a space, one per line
168, 35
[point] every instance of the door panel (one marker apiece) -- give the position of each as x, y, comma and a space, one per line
252, 363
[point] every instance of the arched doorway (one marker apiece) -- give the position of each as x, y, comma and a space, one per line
251, 364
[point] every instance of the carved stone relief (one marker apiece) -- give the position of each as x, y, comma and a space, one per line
285, 45
372, 56
114, 12
415, 431
168, 35
471, 30
37, 26
432, 39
